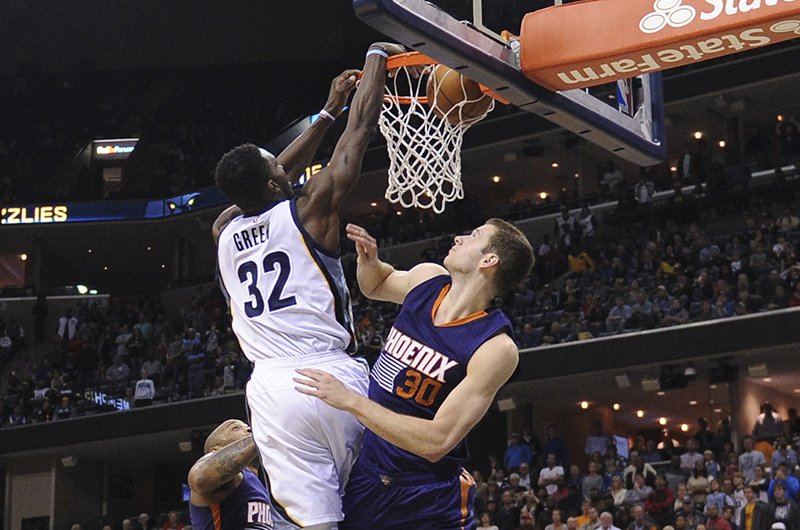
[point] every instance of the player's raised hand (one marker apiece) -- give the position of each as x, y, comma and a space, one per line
366, 246
341, 87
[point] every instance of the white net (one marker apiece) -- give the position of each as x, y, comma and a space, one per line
424, 148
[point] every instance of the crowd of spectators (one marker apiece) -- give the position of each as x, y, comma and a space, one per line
591, 282
707, 483
128, 355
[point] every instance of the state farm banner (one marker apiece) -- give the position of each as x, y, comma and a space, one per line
600, 41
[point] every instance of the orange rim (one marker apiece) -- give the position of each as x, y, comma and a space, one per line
414, 58
408, 59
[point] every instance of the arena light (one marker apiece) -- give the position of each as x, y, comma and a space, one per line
82, 289
684, 427
662, 421
693, 402
23, 257
554, 164
722, 143
698, 135
373, 204
616, 406
640, 413
496, 179
674, 169
543, 195
584, 405
780, 117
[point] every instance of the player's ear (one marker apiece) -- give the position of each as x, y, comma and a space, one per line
489, 260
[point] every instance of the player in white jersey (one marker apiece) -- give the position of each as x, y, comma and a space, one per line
279, 263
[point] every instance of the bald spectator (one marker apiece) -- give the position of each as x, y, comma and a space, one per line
607, 521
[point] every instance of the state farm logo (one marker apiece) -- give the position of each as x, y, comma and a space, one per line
667, 13
672, 13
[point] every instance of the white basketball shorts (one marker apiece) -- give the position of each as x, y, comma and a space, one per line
307, 447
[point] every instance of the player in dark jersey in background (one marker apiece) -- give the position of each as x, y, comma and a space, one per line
226, 491
439, 371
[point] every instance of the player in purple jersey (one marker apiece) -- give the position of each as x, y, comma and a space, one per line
226, 491
439, 371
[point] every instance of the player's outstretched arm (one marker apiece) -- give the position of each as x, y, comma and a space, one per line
490, 367
379, 280
299, 154
217, 473
318, 207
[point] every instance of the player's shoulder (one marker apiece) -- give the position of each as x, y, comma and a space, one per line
497, 357
423, 272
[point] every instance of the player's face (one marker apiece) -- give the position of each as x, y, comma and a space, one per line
277, 174
235, 430
467, 250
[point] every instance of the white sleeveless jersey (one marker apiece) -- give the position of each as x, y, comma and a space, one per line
288, 295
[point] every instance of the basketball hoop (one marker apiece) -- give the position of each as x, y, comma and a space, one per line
424, 130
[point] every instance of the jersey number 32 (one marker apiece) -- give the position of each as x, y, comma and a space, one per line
248, 272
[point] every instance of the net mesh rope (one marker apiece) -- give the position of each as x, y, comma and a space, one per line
424, 149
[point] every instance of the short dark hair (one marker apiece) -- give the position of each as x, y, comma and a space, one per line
241, 171
514, 252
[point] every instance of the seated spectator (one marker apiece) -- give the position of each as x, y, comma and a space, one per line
640, 521
594, 520
746, 304
618, 316
145, 390
638, 493
118, 372
17, 417
691, 515
527, 339
65, 410
173, 522
677, 315
486, 523
717, 496
714, 519
787, 221
779, 299
618, 491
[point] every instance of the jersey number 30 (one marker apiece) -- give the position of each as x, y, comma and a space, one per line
248, 272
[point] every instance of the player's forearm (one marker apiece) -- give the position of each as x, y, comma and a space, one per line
369, 96
371, 277
299, 154
220, 467
424, 438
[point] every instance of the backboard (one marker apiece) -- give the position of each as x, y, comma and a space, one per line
486, 58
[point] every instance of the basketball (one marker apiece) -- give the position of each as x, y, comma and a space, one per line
447, 89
